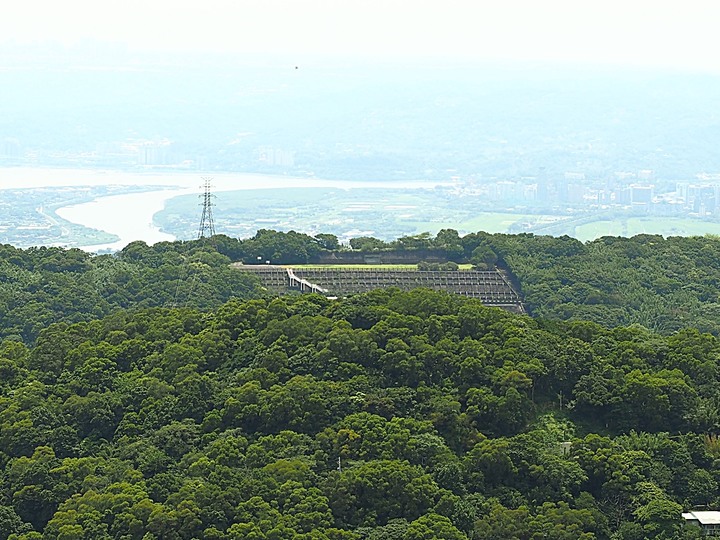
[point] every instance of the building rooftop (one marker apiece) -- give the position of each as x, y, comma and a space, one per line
705, 517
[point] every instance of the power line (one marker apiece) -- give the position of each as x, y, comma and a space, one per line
206, 229
206, 221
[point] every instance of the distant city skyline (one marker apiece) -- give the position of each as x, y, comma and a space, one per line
629, 33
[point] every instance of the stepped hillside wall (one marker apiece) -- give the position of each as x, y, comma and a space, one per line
491, 287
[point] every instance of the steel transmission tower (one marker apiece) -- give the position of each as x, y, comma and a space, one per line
207, 226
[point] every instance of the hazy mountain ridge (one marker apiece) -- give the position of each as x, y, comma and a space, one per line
364, 121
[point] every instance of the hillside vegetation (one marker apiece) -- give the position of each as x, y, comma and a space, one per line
386, 415
159, 394
664, 284
39, 286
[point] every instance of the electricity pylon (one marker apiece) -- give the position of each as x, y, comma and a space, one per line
206, 221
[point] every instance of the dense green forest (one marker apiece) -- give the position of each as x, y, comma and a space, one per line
664, 284
386, 415
39, 286
158, 394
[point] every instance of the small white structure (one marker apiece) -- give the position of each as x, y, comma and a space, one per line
707, 520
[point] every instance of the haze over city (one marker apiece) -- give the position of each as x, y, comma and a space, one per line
556, 117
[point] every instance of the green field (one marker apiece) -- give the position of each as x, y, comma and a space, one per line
484, 221
654, 225
383, 213
391, 213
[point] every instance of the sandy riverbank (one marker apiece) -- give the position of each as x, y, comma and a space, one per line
127, 216
37, 177
130, 216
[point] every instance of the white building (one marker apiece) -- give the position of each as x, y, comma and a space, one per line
707, 520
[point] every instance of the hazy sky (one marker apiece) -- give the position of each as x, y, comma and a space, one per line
658, 33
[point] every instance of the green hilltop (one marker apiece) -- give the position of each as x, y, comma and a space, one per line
159, 393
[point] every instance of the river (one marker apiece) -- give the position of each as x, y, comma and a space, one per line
130, 216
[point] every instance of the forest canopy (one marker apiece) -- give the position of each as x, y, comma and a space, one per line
158, 393
386, 415
664, 284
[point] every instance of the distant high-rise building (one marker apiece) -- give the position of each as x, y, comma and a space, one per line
641, 193
10, 148
156, 153
275, 157
576, 193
